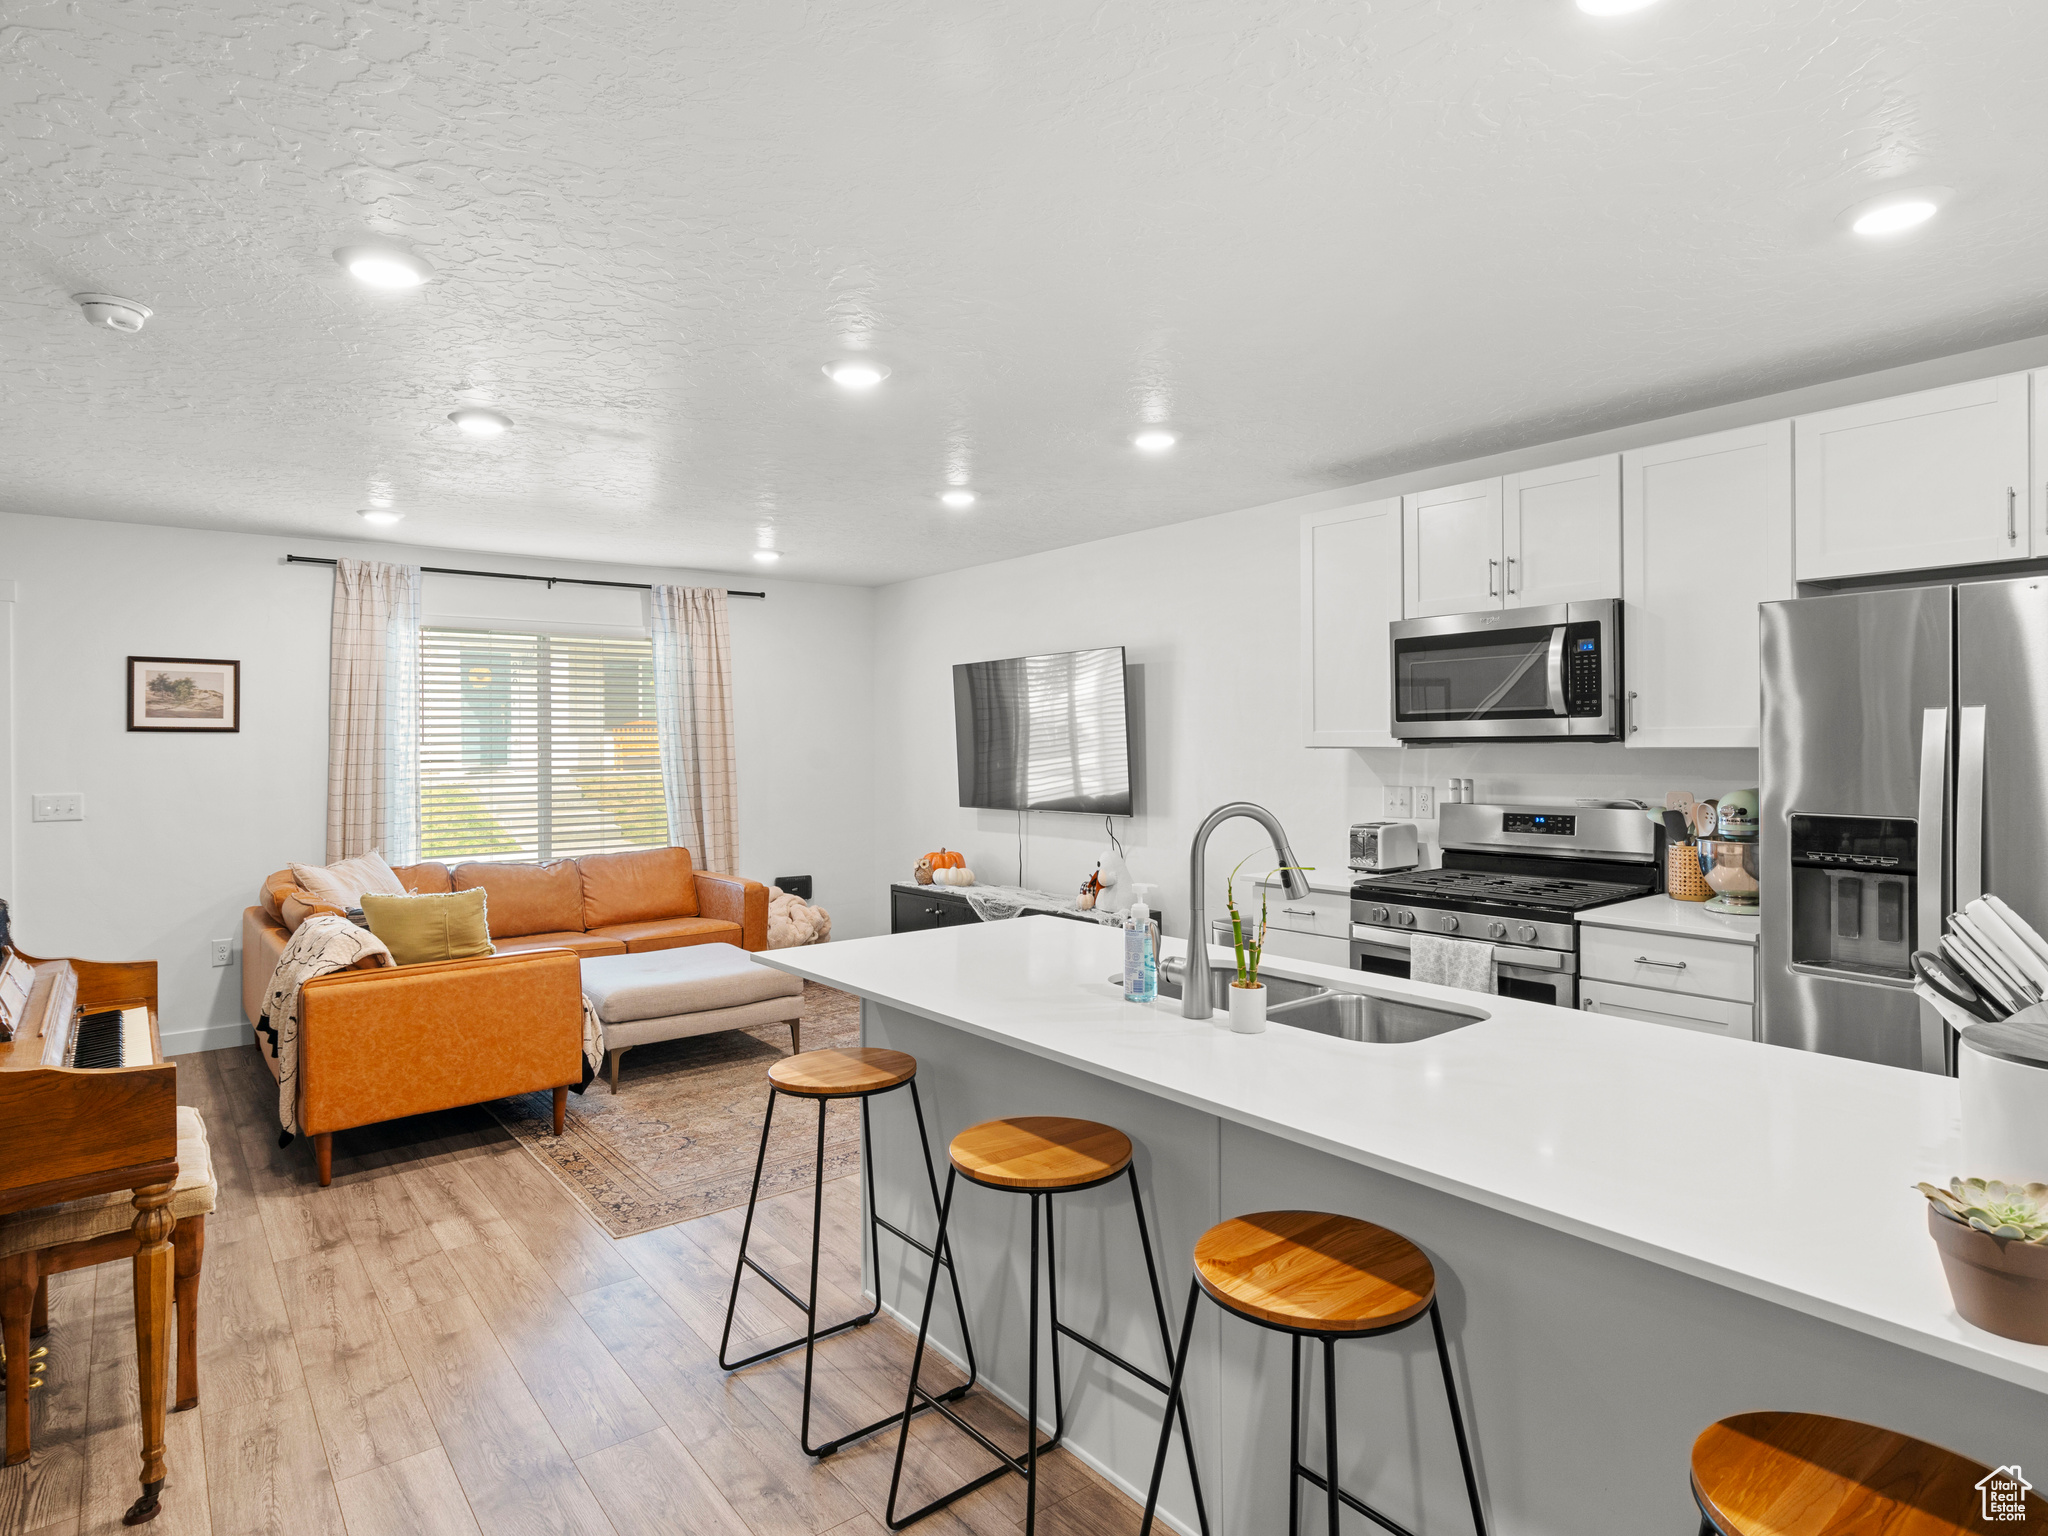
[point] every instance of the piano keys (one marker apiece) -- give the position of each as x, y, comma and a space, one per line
91, 1108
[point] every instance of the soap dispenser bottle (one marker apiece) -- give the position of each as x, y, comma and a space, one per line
1141, 955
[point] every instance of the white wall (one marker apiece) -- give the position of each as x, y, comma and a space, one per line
180, 829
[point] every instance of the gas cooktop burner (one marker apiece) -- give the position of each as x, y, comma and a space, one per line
1448, 885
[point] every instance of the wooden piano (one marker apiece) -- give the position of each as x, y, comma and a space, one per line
90, 1107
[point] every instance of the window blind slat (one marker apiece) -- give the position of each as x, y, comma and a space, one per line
537, 746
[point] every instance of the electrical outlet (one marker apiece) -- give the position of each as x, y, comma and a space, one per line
1425, 802
223, 951
59, 808
1398, 801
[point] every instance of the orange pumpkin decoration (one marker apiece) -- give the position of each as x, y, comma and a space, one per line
944, 860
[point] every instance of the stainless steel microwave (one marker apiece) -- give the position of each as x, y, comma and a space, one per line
1510, 674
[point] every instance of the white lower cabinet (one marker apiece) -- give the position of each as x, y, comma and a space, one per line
1666, 978
1319, 947
1709, 1015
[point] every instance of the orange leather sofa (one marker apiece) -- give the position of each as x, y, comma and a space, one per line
383, 1043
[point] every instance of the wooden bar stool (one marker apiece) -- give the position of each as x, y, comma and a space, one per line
1311, 1275
861, 1072
1039, 1156
1802, 1474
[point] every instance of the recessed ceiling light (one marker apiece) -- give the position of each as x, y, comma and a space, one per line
384, 266
381, 516
478, 422
1614, 7
858, 373
767, 556
959, 501
1896, 212
1154, 440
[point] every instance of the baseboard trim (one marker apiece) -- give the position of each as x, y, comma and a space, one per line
210, 1037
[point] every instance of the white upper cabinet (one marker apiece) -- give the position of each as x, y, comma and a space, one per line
1706, 535
1933, 479
2036, 501
1561, 533
1350, 594
1451, 548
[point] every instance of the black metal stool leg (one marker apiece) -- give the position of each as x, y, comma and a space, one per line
1031, 1393
1330, 1426
1166, 1343
746, 1231
811, 1309
1052, 1311
1294, 1436
1173, 1399
959, 1304
1443, 1355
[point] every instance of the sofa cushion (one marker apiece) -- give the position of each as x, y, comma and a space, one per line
582, 943
343, 882
423, 879
638, 887
275, 886
444, 925
527, 898
645, 986
673, 933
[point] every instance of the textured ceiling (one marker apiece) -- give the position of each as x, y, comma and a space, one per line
1324, 241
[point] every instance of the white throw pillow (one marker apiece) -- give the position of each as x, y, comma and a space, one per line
343, 884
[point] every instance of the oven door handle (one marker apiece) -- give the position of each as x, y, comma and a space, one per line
1503, 954
1557, 706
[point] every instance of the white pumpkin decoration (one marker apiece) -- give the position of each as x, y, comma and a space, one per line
960, 876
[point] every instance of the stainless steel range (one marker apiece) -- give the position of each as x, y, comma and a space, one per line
1515, 877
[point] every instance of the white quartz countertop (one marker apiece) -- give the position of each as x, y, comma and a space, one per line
1781, 1174
1660, 914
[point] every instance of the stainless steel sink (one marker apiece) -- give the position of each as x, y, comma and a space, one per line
1279, 989
1373, 1020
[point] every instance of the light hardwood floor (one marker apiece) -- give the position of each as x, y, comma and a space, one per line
443, 1342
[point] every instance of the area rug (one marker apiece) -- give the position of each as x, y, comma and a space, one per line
680, 1137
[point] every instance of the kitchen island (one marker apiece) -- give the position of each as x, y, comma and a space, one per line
1636, 1230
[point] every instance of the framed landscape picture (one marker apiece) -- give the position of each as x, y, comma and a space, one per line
183, 693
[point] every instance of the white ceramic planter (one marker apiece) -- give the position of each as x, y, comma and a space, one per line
1247, 1009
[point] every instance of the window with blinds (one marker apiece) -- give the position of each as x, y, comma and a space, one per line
537, 746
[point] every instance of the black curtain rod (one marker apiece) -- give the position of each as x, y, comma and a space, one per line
574, 581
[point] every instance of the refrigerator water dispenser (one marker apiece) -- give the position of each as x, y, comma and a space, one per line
1853, 880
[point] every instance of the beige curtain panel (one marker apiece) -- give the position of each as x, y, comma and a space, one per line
693, 711
373, 712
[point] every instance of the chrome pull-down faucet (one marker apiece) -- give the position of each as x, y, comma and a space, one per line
1194, 995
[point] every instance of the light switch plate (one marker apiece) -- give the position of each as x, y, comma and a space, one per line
1425, 801
1399, 802
59, 808
223, 951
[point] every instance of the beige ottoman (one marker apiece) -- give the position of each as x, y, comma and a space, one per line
667, 994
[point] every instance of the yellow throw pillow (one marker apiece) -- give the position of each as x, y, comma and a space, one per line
419, 929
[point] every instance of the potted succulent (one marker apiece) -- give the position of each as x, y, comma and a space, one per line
1247, 992
1993, 1239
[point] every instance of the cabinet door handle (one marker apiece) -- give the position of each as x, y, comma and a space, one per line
2012, 502
1299, 911
1630, 723
1669, 965
1493, 578
1511, 573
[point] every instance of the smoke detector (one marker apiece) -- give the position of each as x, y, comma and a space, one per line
110, 313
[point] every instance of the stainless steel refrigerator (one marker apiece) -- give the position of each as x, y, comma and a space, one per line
1904, 763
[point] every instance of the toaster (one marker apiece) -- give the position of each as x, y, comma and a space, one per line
1378, 847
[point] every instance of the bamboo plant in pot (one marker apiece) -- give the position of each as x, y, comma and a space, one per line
1993, 1239
1247, 992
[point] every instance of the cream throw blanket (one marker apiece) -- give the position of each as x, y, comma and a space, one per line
324, 944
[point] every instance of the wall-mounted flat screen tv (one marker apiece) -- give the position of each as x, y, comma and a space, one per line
1044, 733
